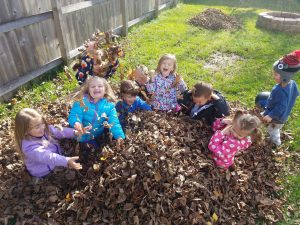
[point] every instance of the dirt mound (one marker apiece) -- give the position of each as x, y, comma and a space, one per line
215, 19
163, 175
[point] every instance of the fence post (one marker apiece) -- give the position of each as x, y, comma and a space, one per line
157, 4
58, 23
124, 17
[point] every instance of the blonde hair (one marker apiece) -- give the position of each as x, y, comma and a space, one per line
142, 69
109, 94
248, 122
22, 125
165, 57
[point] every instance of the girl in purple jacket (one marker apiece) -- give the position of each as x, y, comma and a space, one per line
36, 144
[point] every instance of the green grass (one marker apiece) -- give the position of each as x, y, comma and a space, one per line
170, 33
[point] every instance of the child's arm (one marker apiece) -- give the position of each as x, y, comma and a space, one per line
40, 154
63, 132
113, 120
245, 143
221, 106
217, 142
76, 114
219, 124
142, 104
279, 106
181, 85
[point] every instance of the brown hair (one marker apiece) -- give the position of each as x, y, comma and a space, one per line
129, 87
22, 126
109, 95
202, 89
248, 122
165, 57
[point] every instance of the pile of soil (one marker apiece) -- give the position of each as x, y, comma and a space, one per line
215, 19
162, 175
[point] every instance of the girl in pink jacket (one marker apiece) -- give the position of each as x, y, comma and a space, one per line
232, 136
36, 144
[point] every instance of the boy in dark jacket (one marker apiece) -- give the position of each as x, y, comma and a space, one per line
202, 102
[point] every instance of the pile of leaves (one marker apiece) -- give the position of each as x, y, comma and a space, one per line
215, 19
162, 175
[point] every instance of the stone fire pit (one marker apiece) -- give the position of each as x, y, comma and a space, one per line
279, 21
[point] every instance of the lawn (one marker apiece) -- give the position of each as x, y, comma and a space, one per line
193, 47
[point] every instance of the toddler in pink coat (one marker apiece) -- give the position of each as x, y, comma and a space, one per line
232, 136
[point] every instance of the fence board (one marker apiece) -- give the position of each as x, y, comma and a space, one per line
32, 33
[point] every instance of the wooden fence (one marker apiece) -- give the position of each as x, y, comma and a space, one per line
38, 35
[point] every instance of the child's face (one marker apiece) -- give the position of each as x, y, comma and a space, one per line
276, 77
202, 100
96, 89
37, 128
238, 132
166, 67
129, 99
141, 78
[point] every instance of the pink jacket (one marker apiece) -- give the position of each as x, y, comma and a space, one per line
42, 155
224, 147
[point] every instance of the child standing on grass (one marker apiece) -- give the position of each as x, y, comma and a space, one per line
232, 136
202, 102
165, 84
36, 144
92, 112
130, 101
283, 95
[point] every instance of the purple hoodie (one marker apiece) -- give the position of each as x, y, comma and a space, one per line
42, 155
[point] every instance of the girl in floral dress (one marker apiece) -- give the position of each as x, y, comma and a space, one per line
166, 84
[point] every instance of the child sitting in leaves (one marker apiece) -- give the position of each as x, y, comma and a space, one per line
165, 85
202, 102
91, 114
282, 98
130, 101
141, 77
232, 136
35, 141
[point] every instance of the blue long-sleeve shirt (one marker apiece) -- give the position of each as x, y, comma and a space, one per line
281, 101
123, 109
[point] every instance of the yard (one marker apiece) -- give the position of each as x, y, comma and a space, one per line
238, 63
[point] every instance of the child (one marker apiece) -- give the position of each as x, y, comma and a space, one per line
165, 85
232, 136
85, 67
130, 101
141, 77
35, 143
283, 95
202, 102
92, 112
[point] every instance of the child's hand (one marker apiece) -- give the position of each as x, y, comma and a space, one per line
227, 121
73, 164
78, 126
267, 119
226, 130
120, 143
215, 97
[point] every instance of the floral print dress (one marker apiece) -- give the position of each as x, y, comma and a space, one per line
165, 95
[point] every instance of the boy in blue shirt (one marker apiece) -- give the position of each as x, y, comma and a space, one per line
130, 101
283, 95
